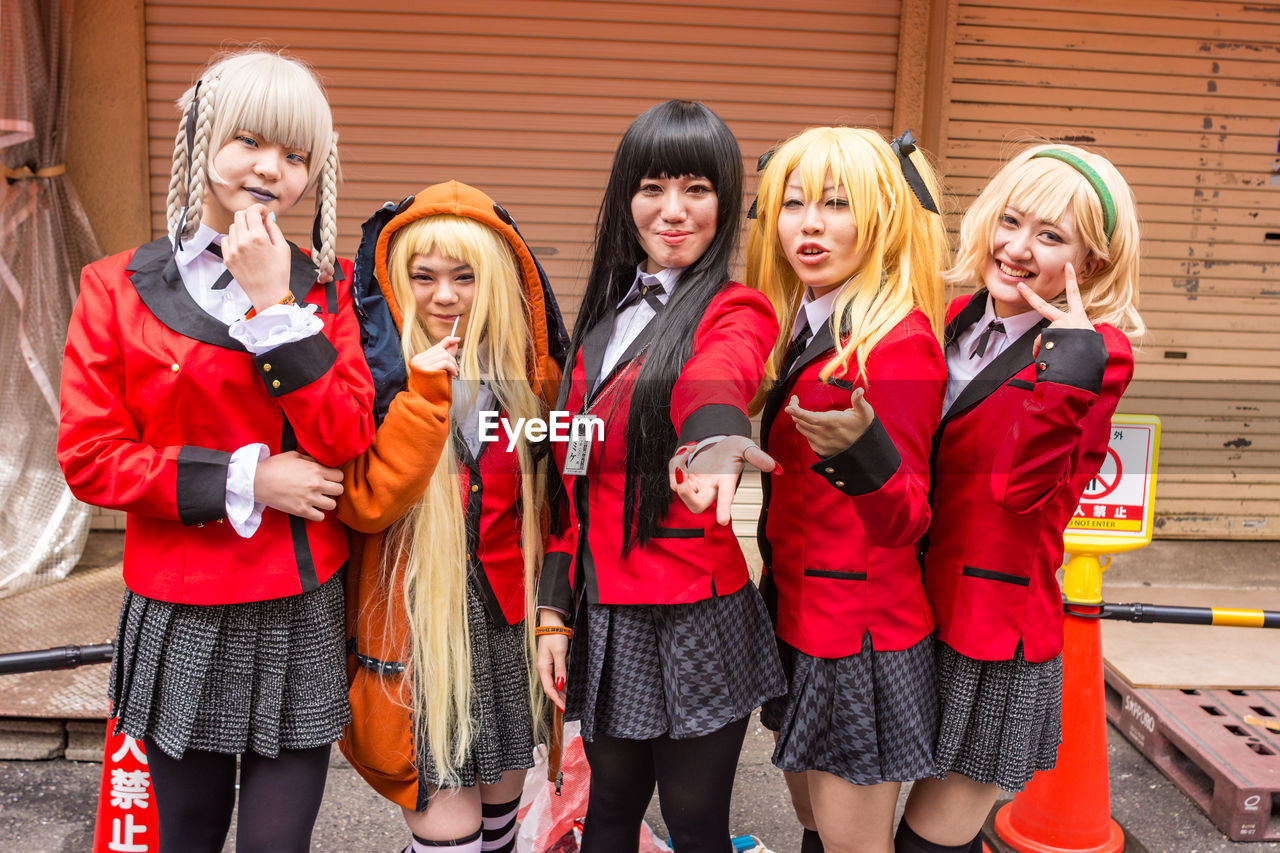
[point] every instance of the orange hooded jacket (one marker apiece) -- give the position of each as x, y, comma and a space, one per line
385, 483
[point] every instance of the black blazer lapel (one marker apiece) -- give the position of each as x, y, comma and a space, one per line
154, 272
593, 347
820, 343
999, 371
968, 315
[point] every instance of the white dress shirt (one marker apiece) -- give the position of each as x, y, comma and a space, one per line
631, 321
277, 325
963, 362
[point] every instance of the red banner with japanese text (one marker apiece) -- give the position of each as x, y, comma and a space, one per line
126, 809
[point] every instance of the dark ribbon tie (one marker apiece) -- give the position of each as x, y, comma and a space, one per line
225, 278
995, 326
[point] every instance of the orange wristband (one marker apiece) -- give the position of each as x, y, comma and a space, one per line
287, 299
544, 630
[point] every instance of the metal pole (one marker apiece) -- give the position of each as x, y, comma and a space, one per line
62, 657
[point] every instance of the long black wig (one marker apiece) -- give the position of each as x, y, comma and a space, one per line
673, 139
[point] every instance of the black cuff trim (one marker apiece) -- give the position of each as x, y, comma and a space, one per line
714, 419
202, 484
835, 575
288, 367
1075, 357
863, 466
554, 589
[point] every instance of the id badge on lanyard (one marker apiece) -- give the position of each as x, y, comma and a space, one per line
578, 453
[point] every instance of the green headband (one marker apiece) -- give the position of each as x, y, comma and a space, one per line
1095, 181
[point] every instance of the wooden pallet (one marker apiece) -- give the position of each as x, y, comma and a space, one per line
1200, 740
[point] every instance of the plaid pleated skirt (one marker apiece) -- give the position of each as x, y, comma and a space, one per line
1001, 720
869, 717
681, 670
503, 721
260, 676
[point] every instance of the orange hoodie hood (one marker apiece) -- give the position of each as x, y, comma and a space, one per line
547, 336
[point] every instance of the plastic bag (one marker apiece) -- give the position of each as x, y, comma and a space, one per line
553, 824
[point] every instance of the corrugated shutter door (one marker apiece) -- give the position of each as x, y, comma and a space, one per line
1182, 97
527, 100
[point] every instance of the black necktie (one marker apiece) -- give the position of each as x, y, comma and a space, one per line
225, 278
647, 292
992, 327
798, 344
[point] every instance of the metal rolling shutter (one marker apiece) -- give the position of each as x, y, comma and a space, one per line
1182, 97
527, 100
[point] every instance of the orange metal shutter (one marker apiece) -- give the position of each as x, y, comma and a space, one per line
528, 100
1182, 97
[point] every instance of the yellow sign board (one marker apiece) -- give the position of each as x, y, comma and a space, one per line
1118, 508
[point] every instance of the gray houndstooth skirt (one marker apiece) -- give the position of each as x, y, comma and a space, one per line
869, 717
503, 738
681, 670
1001, 720
261, 676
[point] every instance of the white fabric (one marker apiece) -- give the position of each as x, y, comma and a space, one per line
471, 397
962, 362
631, 320
816, 311
277, 325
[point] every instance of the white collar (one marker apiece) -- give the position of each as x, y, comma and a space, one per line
816, 311
1014, 327
195, 245
664, 278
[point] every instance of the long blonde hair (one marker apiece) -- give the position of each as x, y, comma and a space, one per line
1045, 188
903, 246
432, 538
266, 93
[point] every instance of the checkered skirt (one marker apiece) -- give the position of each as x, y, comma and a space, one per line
261, 676
681, 670
869, 717
1001, 720
503, 727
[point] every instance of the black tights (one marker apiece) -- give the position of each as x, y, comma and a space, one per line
279, 799
695, 784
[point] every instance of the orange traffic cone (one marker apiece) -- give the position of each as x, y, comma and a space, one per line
126, 809
1068, 809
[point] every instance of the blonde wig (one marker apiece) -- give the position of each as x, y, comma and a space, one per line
428, 548
1046, 188
903, 246
272, 96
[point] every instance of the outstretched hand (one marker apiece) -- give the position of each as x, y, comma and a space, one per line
712, 478
830, 432
1073, 318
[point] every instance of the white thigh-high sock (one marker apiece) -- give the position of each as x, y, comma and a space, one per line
467, 844
499, 821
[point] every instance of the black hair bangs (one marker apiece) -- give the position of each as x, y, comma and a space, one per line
678, 138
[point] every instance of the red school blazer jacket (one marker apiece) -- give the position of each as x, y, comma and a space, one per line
692, 557
155, 398
839, 535
1011, 460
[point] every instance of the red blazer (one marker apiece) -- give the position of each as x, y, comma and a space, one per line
838, 535
491, 497
155, 398
692, 557
1011, 459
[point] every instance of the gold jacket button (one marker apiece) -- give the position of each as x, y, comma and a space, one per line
475, 488
1048, 344
839, 484
829, 470
174, 367
199, 524
1043, 366
275, 383
266, 368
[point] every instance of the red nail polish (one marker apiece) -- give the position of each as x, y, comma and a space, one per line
679, 476
560, 684
777, 469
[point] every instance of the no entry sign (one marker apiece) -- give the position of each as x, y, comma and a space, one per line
1116, 510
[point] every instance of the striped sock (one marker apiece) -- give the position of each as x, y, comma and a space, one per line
499, 820
467, 844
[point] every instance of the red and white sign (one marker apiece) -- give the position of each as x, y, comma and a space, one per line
1118, 503
126, 808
